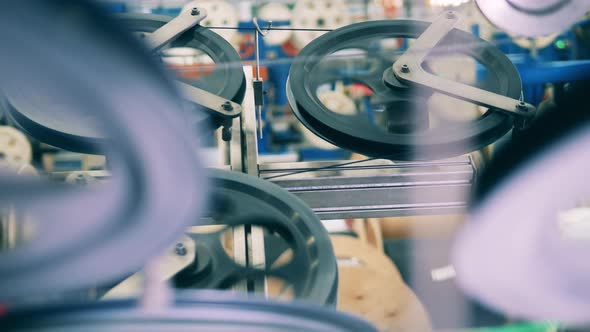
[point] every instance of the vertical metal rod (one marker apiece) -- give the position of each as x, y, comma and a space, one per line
240, 249
257, 51
248, 241
257, 34
259, 111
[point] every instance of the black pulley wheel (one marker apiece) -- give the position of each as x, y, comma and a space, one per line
226, 78
56, 122
197, 311
291, 229
313, 68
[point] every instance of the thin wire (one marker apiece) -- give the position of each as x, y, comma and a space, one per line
499, 42
326, 167
270, 29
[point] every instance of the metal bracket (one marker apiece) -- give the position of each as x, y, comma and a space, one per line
222, 109
177, 26
408, 69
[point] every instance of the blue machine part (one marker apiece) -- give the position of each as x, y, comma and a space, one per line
278, 72
166, 11
247, 30
115, 7
535, 72
310, 154
584, 48
563, 48
552, 64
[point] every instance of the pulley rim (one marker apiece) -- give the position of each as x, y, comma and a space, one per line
72, 131
249, 200
223, 54
363, 137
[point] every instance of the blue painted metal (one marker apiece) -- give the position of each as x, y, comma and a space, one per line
533, 72
115, 7
311, 154
551, 64
167, 11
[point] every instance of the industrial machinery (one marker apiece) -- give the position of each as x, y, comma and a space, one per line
161, 172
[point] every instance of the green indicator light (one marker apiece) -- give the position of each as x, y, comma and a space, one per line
560, 44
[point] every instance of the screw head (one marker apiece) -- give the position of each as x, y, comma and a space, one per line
195, 11
405, 69
180, 249
521, 106
451, 15
227, 106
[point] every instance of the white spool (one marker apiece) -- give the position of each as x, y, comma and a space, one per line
219, 14
14, 146
276, 12
337, 102
317, 14
185, 56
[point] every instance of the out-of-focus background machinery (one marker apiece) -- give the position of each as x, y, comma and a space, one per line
327, 165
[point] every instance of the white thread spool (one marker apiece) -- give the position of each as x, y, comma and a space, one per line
317, 14
14, 146
274, 11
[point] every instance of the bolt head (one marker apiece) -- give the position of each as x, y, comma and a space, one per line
405, 69
195, 11
227, 106
451, 15
180, 249
521, 106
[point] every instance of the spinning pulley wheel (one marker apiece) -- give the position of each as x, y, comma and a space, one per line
400, 85
221, 74
225, 77
217, 90
298, 252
